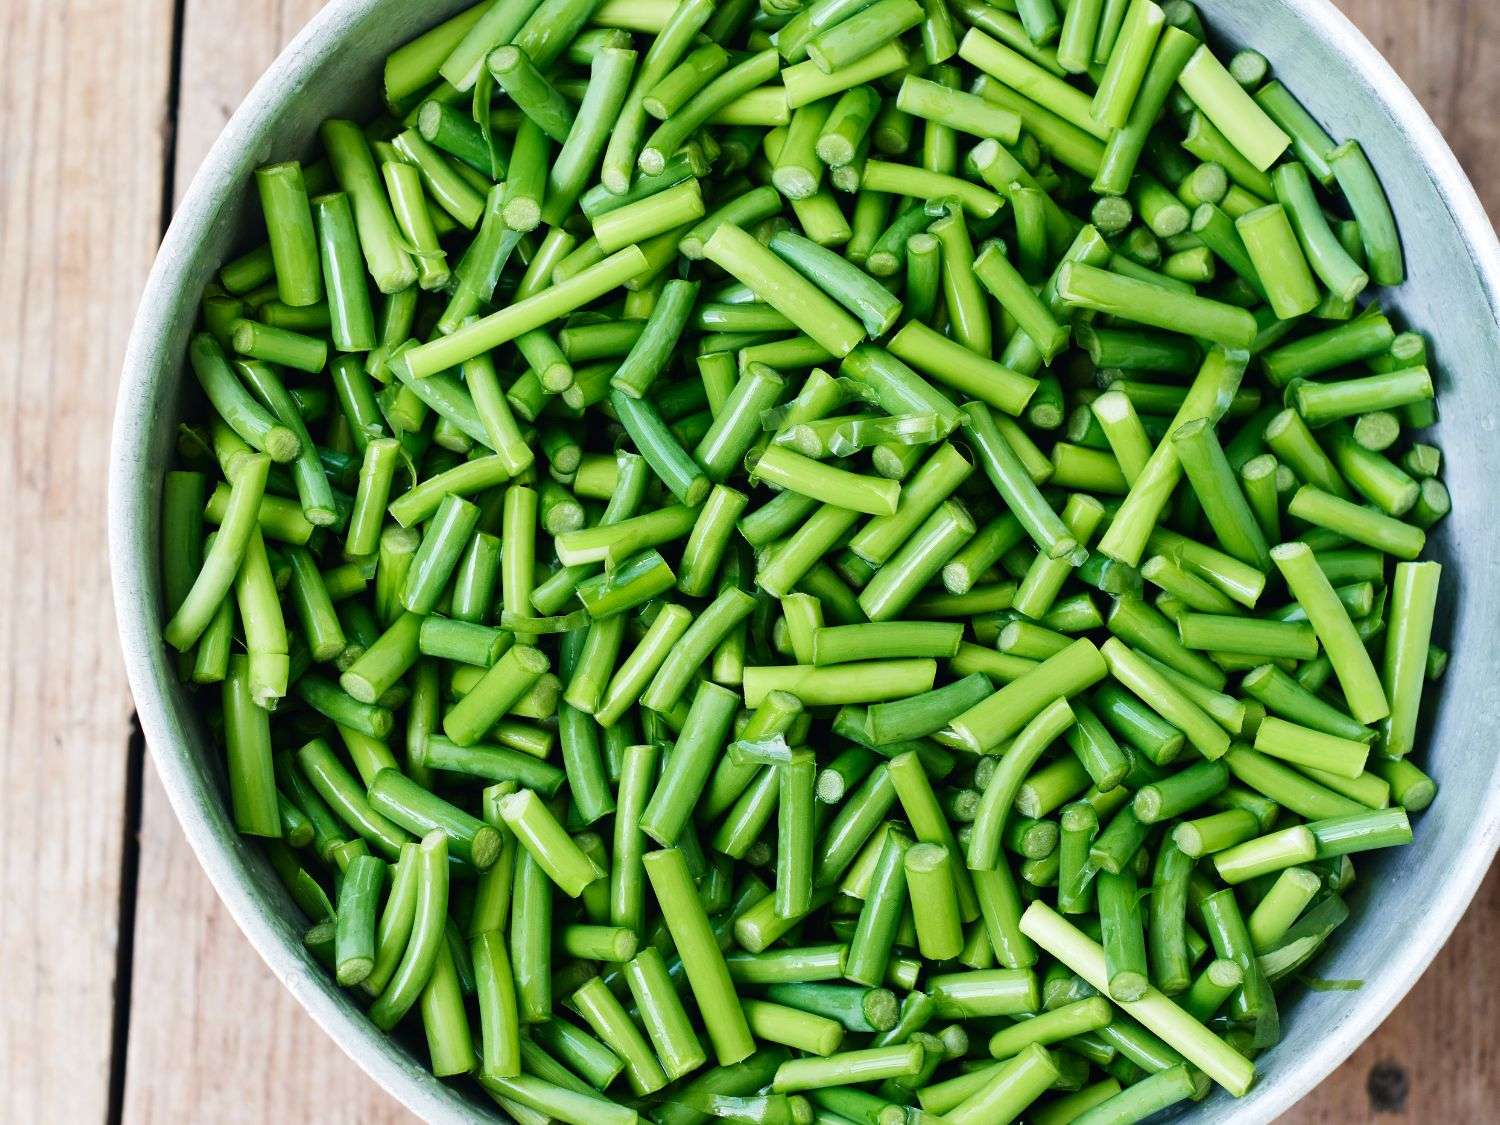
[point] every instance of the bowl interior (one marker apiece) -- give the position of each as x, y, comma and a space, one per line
1452, 295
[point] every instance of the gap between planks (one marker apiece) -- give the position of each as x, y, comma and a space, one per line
80, 190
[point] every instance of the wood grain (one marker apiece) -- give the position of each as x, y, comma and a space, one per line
213, 1035
1448, 52
80, 181
226, 45
1437, 1058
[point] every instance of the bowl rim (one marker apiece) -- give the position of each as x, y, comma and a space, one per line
384, 1060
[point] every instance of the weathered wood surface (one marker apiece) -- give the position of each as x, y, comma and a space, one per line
1448, 52
81, 148
1437, 1057
208, 1033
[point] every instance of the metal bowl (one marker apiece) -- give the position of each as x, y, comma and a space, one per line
1453, 295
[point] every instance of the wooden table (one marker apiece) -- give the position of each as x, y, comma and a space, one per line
127, 991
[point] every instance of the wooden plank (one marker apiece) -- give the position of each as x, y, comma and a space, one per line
80, 182
1448, 52
1437, 1058
226, 45
206, 1008
213, 1035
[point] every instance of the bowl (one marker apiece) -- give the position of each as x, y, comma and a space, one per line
1452, 294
